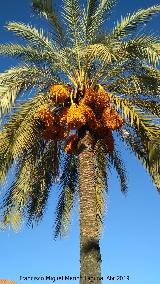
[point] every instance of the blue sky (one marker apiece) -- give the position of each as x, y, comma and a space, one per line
130, 239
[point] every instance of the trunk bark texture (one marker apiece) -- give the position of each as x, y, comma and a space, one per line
90, 258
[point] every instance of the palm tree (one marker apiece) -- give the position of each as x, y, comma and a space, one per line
74, 86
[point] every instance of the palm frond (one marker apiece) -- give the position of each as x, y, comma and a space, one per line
153, 75
25, 136
28, 195
137, 117
154, 163
135, 85
151, 106
143, 47
18, 79
17, 196
42, 180
97, 58
91, 8
99, 51
11, 84
115, 159
38, 40
122, 67
13, 134
72, 19
65, 204
131, 62
129, 23
105, 7
46, 9
13, 218
71, 15
56, 160
68, 183
147, 152
35, 37
95, 16
119, 68
27, 53
56, 59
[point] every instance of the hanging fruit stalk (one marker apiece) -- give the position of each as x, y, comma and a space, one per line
75, 118
52, 129
55, 133
98, 101
93, 110
111, 119
45, 115
62, 116
58, 94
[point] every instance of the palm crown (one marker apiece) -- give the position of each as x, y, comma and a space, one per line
80, 77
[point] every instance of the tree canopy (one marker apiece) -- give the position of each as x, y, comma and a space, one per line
78, 53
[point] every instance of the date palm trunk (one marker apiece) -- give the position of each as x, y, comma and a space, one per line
90, 258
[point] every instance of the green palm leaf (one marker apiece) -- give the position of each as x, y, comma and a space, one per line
138, 118
95, 16
68, 183
56, 160
29, 53
18, 194
72, 19
31, 34
129, 23
28, 195
42, 180
147, 152
148, 105
91, 8
135, 85
116, 161
143, 47
46, 9
15, 135
38, 39
99, 51
18, 79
